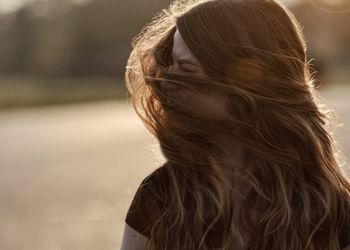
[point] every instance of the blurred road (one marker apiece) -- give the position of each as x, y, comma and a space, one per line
68, 173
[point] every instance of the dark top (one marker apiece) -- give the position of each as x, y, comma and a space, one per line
140, 215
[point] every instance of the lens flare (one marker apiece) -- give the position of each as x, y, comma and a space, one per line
245, 69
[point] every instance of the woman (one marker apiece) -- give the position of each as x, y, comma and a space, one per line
225, 87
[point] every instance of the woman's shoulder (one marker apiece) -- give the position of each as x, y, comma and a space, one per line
153, 184
147, 202
155, 176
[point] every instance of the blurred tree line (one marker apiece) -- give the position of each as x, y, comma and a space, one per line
53, 39
58, 37
62, 37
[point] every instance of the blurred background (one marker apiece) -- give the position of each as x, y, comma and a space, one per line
72, 151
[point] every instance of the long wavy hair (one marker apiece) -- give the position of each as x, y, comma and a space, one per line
254, 55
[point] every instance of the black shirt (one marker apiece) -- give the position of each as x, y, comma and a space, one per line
141, 216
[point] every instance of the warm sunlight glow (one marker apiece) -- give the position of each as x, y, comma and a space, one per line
334, 2
7, 6
335, 6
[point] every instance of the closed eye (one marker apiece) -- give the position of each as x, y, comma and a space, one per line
186, 70
185, 66
183, 62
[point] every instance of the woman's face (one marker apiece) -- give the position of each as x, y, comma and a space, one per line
186, 62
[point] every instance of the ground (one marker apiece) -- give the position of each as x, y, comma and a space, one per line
68, 173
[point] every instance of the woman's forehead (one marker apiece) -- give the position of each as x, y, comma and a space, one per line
180, 49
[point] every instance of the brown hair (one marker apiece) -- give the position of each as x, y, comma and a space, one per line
254, 54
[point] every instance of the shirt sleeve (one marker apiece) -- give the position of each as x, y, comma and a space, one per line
145, 206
